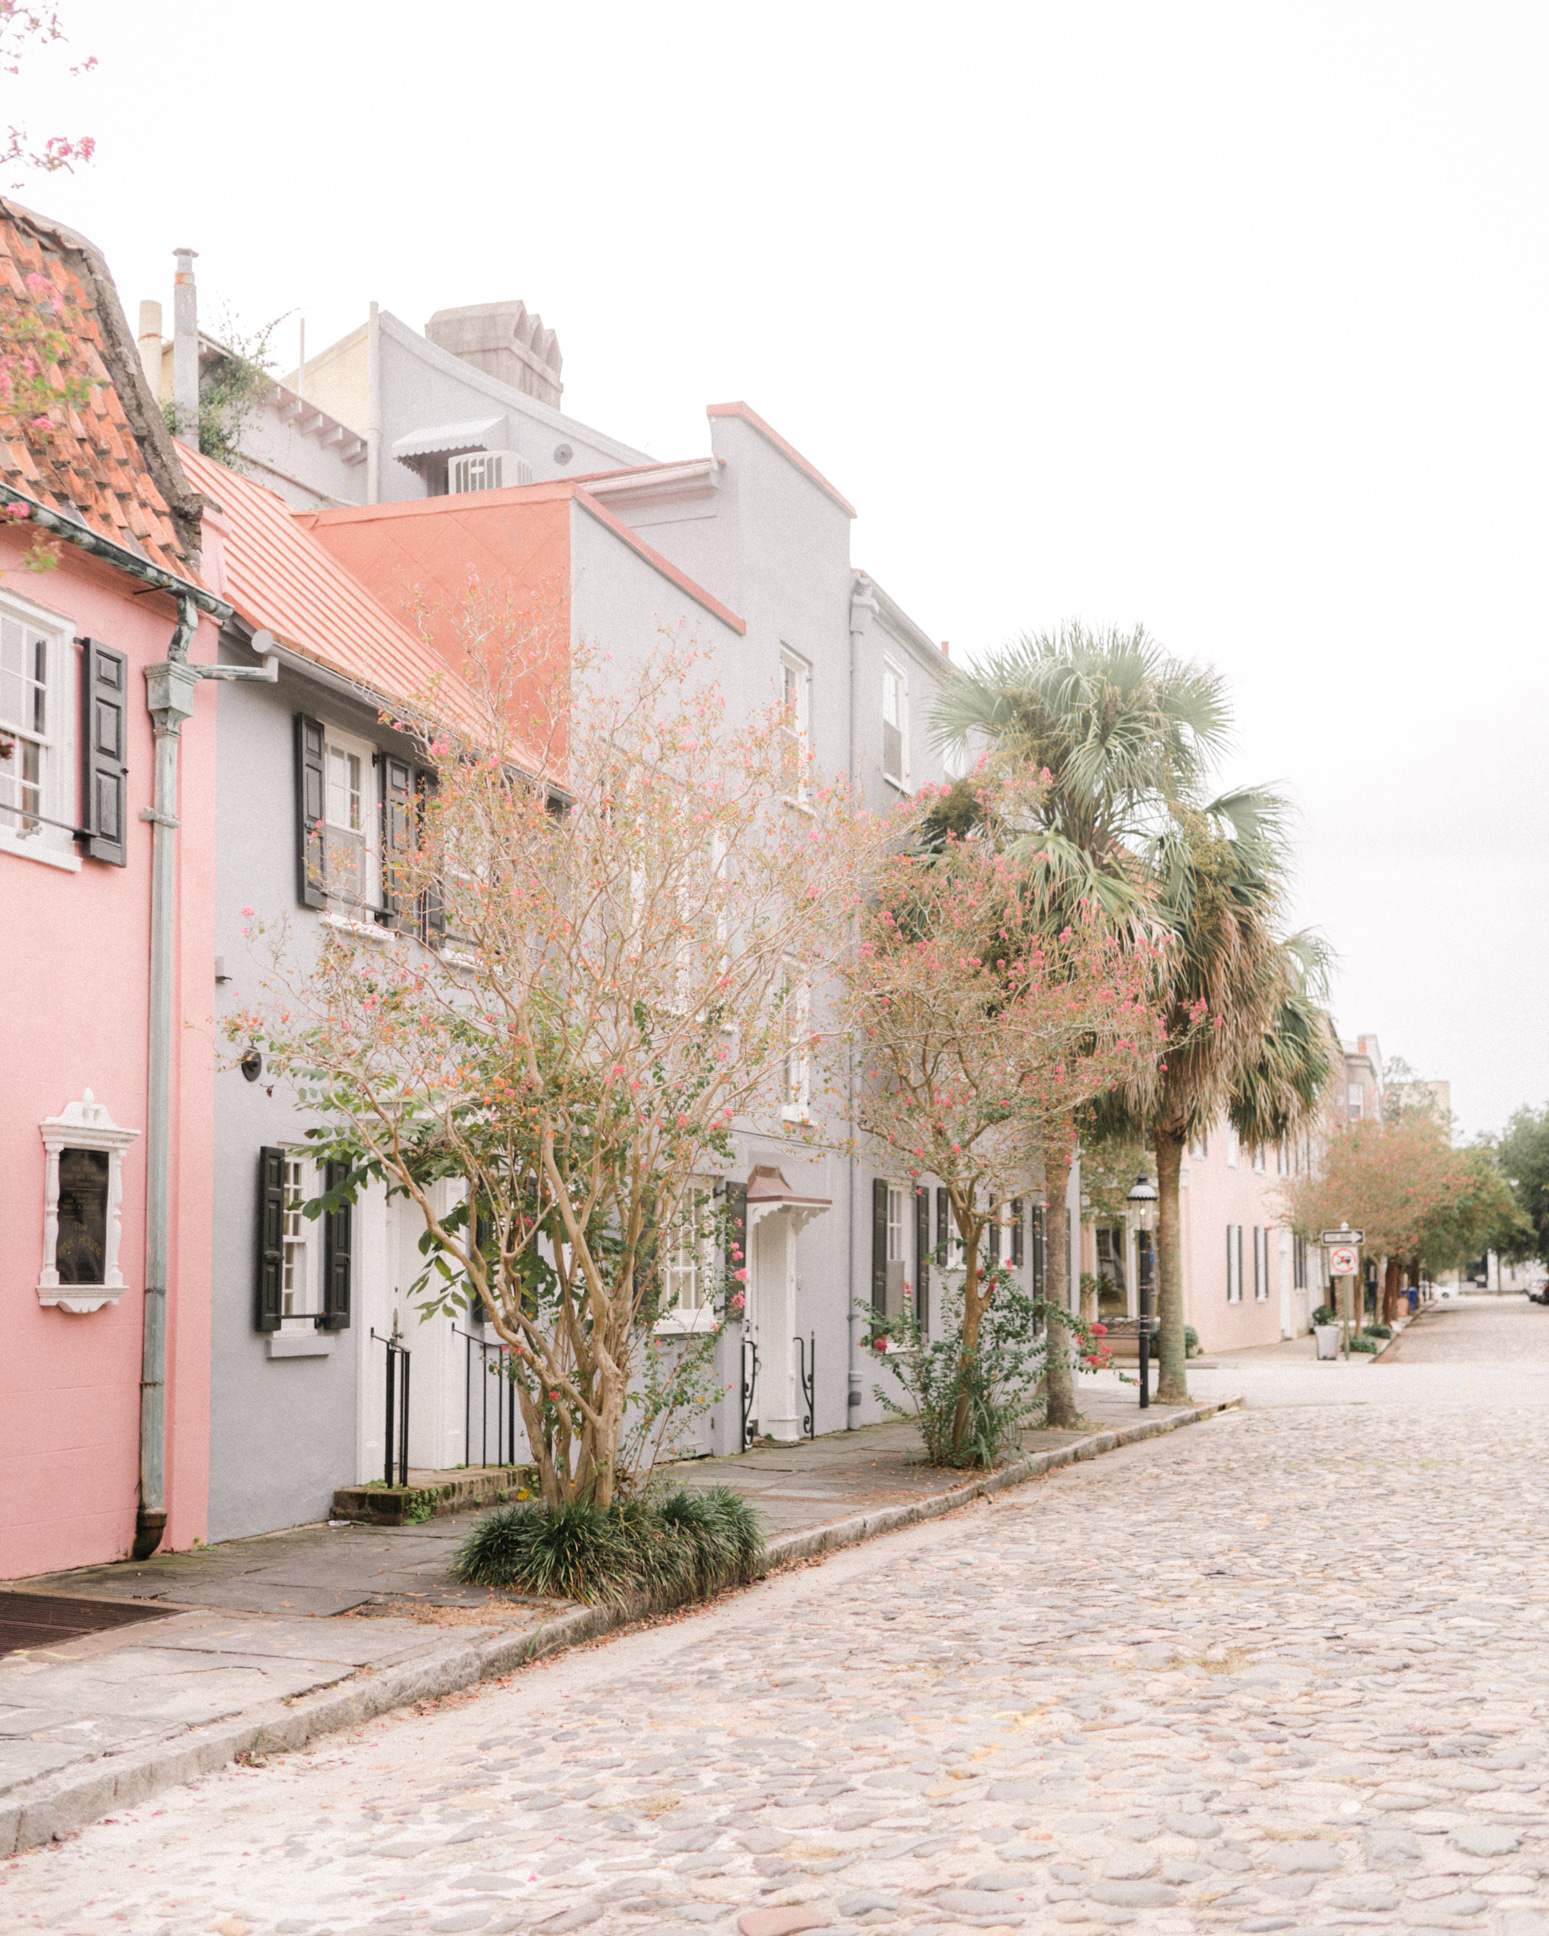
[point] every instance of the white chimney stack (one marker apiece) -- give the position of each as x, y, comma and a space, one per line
150, 346
185, 347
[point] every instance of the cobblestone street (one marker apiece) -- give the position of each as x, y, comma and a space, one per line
1287, 1670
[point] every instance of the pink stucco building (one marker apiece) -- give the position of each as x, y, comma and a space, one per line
98, 576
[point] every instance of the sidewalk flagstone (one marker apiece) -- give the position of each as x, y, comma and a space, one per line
235, 1629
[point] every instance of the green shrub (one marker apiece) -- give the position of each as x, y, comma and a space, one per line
997, 1379
1323, 1315
1190, 1342
665, 1550
1379, 1330
1365, 1344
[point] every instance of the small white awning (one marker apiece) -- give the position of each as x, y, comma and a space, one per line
441, 440
769, 1193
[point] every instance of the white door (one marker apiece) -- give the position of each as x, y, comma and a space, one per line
773, 1308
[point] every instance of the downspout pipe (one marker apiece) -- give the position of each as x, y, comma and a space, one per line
863, 606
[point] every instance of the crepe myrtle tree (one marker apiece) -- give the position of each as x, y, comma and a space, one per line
981, 1032
625, 889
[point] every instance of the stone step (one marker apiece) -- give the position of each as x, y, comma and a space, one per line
434, 1495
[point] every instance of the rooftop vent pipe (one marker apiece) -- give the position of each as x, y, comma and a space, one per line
185, 347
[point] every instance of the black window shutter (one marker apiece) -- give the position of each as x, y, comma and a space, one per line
922, 1257
309, 813
432, 906
992, 1244
105, 746
879, 1243
338, 1230
398, 818
737, 1246
1037, 1219
271, 1239
943, 1227
1016, 1231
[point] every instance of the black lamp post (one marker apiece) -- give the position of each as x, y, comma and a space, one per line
1142, 1203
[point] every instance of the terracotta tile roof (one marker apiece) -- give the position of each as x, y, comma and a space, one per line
282, 580
109, 461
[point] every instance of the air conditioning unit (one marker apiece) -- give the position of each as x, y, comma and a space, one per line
486, 470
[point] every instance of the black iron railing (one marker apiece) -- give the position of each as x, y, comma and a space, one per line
494, 1369
749, 1392
807, 1371
395, 1437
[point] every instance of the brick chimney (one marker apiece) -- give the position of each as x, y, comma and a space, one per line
506, 342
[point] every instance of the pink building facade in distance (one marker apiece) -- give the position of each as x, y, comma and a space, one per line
99, 532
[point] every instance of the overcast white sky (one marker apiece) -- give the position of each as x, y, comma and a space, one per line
1228, 318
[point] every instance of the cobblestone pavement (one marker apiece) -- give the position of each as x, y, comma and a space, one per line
1474, 1329
1288, 1670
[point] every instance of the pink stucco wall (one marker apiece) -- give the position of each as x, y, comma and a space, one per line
73, 1016
1217, 1193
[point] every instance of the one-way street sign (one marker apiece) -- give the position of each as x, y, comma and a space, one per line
1346, 1236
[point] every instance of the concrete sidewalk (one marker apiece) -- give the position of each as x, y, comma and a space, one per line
259, 1645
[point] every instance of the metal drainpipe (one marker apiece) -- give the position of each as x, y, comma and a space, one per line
170, 698
862, 605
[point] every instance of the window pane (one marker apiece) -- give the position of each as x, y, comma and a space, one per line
80, 1249
23, 678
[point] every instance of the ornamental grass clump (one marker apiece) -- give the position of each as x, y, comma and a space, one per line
685, 1546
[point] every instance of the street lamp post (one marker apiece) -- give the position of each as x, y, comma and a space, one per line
1142, 1203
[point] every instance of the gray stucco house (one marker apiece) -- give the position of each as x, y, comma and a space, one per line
749, 546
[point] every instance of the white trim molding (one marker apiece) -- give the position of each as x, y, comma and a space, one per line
83, 1125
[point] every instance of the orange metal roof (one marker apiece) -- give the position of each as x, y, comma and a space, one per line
279, 577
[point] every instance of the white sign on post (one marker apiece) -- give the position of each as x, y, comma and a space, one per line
1342, 1261
1344, 1235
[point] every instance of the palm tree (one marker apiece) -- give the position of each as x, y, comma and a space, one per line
1261, 1051
1120, 730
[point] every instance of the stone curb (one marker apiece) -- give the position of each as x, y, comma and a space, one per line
54, 1805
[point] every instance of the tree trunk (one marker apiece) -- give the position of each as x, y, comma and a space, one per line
1172, 1376
973, 1312
1390, 1292
1059, 1386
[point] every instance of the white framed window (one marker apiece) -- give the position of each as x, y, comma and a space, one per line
37, 707
1234, 1263
1260, 1161
1282, 1159
301, 1269
1357, 1101
895, 724
796, 1075
349, 826
898, 1202
83, 1191
796, 722
689, 1276
1199, 1146
1233, 1147
1261, 1263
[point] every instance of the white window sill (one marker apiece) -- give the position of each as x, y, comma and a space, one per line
459, 958
65, 859
310, 1343
903, 786
684, 1324
80, 1298
795, 1113
362, 930
798, 805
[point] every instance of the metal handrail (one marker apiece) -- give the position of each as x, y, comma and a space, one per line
505, 1400
396, 1349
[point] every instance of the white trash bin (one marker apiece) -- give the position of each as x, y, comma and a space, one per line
1327, 1336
